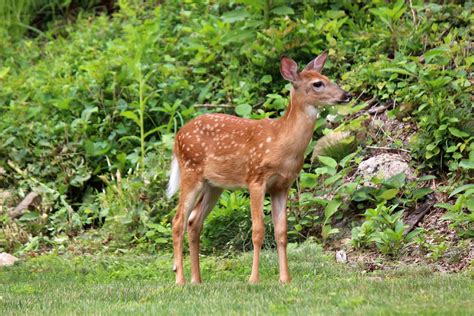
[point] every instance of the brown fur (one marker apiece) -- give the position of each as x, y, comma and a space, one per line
222, 151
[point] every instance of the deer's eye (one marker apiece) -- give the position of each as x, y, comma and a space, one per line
318, 84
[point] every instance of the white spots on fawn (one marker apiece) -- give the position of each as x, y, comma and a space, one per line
260, 146
267, 151
269, 139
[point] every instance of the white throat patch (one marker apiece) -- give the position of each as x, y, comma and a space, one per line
311, 111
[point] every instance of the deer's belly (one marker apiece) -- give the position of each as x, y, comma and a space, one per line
229, 174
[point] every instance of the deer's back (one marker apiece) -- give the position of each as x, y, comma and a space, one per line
226, 150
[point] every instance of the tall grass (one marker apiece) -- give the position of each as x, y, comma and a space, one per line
16, 16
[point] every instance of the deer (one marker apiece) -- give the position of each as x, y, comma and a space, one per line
213, 152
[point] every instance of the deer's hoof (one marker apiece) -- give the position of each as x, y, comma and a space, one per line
254, 280
286, 280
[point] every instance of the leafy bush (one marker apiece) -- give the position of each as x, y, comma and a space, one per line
102, 96
384, 228
461, 213
229, 225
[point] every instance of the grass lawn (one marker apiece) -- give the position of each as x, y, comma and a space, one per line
54, 285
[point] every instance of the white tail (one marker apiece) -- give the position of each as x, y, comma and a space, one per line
216, 151
173, 184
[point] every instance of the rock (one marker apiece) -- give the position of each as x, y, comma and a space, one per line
384, 166
7, 259
341, 256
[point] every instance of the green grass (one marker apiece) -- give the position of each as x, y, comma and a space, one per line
129, 285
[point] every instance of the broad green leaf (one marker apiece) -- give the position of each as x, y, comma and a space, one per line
266, 79
332, 179
131, 115
243, 110
398, 71
29, 216
328, 161
3, 72
461, 189
237, 36
447, 206
97, 148
161, 240
308, 180
331, 209
346, 159
79, 179
325, 170
466, 164
433, 53
236, 15
362, 194
426, 178
421, 192
283, 10
327, 231
458, 133
388, 194
397, 181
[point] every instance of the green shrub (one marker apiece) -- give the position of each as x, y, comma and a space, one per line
384, 228
461, 213
101, 95
229, 226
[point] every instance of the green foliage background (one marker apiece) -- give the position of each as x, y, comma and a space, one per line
89, 104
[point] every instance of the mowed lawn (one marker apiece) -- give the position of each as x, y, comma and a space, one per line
111, 285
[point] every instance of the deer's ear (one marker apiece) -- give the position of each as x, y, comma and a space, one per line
317, 64
289, 69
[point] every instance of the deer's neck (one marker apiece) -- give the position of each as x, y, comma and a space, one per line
296, 125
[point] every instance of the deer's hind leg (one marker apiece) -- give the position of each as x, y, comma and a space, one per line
191, 185
209, 197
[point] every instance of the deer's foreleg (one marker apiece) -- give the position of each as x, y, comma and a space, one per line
257, 194
279, 199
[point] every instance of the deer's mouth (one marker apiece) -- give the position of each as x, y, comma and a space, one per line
346, 98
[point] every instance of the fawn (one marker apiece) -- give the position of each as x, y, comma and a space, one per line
216, 151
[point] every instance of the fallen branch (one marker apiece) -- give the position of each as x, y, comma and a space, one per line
30, 200
62, 198
417, 215
381, 108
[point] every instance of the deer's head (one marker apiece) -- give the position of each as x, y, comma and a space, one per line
310, 85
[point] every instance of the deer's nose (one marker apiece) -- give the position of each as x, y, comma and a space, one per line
347, 97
